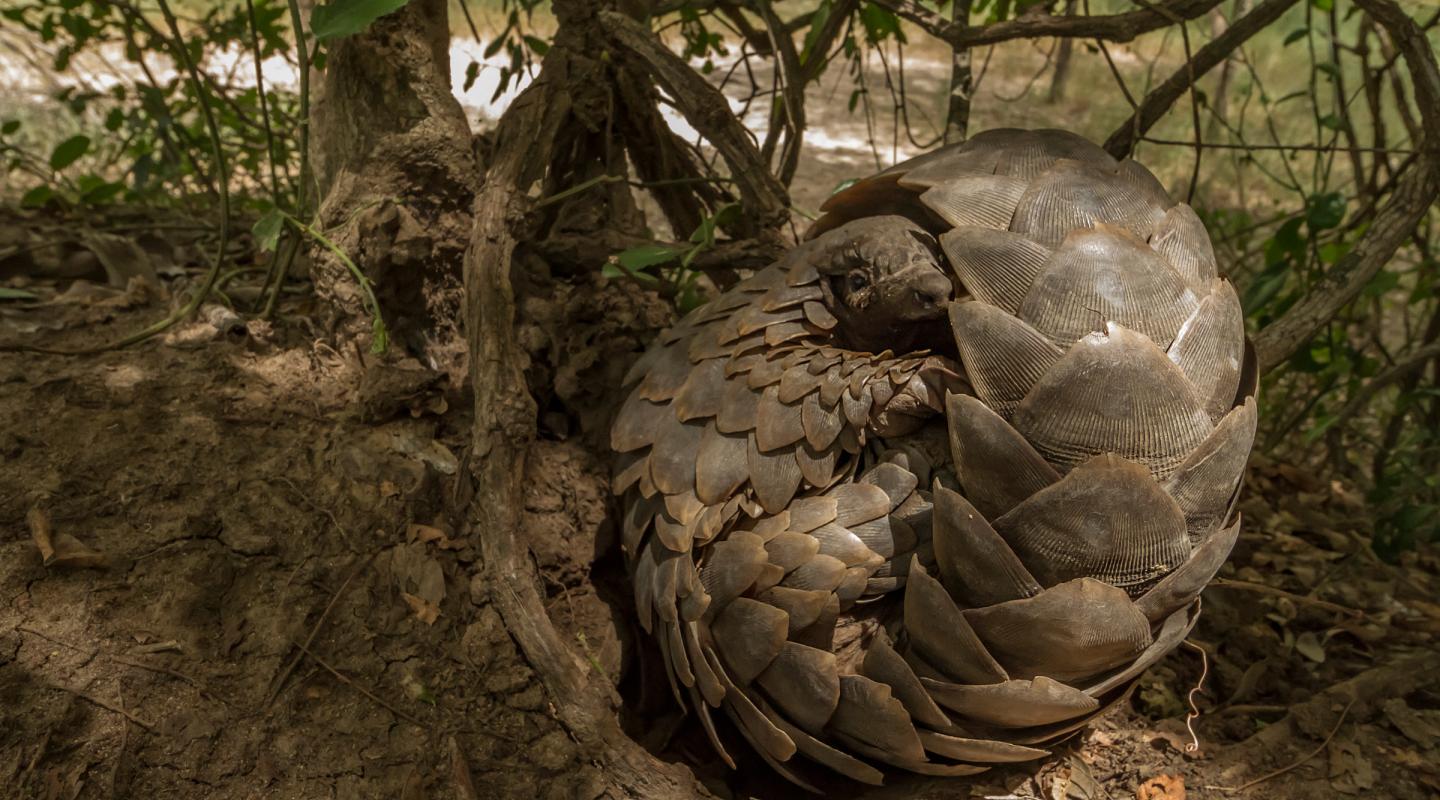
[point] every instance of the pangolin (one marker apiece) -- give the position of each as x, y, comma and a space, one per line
811, 564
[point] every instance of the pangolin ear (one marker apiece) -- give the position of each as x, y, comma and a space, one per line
924, 238
836, 258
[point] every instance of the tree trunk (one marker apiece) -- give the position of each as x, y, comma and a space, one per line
1219, 99
962, 82
396, 175
1063, 54
593, 102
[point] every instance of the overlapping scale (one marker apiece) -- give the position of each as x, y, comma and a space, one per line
811, 558
1075, 195
1104, 275
1210, 348
996, 266
1106, 519
1074, 630
1114, 392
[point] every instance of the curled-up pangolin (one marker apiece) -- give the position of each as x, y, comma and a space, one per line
856, 600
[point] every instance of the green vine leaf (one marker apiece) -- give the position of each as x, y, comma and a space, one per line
69, 151
340, 18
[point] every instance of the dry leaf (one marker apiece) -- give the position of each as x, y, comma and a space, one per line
425, 611
1162, 787
62, 549
1420, 727
416, 532
40, 532
388, 489
1308, 645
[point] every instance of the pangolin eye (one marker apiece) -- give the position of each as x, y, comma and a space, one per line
858, 281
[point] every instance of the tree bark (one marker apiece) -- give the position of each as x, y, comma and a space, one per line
1063, 54
392, 159
1415, 192
962, 80
553, 135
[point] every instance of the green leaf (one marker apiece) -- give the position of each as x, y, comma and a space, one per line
103, 193
68, 151
1384, 281
379, 336
1295, 36
880, 23
1332, 122
267, 230
10, 126
37, 197
1263, 290
1323, 5
817, 23
644, 256
114, 120
537, 45
1332, 252
340, 18
704, 234
1324, 211
471, 73
17, 294
496, 43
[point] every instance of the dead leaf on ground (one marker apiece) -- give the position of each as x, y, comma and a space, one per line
1420, 727
425, 611
416, 532
60, 549
1350, 770
1162, 787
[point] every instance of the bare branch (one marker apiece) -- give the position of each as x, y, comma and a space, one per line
1158, 101
705, 107
1415, 192
504, 428
1109, 27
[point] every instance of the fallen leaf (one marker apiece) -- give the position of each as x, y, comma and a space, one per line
425, 611
388, 489
416, 532
1420, 727
1162, 787
40, 532
62, 549
1308, 645
1350, 771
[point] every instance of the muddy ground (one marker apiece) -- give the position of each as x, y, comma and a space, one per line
234, 563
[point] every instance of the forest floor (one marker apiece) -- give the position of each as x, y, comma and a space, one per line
234, 563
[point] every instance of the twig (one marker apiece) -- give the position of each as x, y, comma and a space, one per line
1281, 771
1309, 148
361, 689
345, 537
1227, 583
130, 662
264, 105
1159, 101
1199, 686
120, 752
315, 629
108, 706
1108, 27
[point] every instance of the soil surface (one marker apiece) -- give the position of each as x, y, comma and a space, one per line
234, 564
